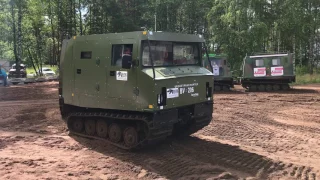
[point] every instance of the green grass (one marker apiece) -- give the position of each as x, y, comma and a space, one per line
307, 79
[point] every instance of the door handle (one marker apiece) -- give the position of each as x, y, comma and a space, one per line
78, 71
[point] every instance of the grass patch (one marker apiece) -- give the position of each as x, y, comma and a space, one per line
307, 79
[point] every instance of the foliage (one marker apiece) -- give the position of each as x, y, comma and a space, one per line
233, 27
304, 77
307, 79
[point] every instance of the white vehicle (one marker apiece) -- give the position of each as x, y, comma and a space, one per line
49, 75
48, 72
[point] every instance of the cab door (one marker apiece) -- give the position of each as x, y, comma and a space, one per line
122, 82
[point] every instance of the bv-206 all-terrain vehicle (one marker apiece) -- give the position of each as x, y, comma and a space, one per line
223, 79
134, 88
270, 72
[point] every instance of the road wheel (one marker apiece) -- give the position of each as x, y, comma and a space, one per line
115, 132
130, 136
252, 88
102, 128
217, 88
261, 87
285, 87
268, 88
276, 87
225, 88
77, 125
90, 126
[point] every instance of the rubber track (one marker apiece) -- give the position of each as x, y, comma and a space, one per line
257, 90
153, 134
113, 116
221, 88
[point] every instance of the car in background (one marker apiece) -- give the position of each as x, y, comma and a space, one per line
13, 71
48, 72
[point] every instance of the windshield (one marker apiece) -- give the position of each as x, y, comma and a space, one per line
170, 54
217, 62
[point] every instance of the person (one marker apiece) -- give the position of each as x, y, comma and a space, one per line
167, 57
127, 52
3, 74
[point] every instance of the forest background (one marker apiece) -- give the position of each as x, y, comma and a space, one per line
31, 31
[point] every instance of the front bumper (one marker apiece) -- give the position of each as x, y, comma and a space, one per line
185, 114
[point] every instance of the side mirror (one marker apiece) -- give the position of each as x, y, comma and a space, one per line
126, 62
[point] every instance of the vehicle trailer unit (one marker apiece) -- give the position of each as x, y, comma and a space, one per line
271, 72
223, 80
134, 88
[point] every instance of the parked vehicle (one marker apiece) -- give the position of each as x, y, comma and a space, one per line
48, 72
223, 79
23, 72
268, 72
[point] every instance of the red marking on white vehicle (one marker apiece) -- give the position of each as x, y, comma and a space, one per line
277, 71
259, 72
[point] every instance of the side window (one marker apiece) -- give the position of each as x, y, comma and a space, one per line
86, 54
275, 62
118, 51
259, 62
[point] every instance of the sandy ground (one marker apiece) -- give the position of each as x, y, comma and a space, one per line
252, 136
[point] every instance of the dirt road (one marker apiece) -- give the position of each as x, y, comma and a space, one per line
252, 136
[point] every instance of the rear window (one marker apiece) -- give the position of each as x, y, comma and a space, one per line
259, 62
275, 62
86, 55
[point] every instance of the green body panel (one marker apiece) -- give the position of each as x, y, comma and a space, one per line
222, 70
92, 82
273, 66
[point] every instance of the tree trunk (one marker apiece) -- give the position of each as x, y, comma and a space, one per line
14, 36
74, 23
19, 38
32, 62
59, 30
311, 65
54, 59
80, 17
38, 41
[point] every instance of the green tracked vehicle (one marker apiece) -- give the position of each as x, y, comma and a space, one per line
220, 68
134, 88
268, 72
